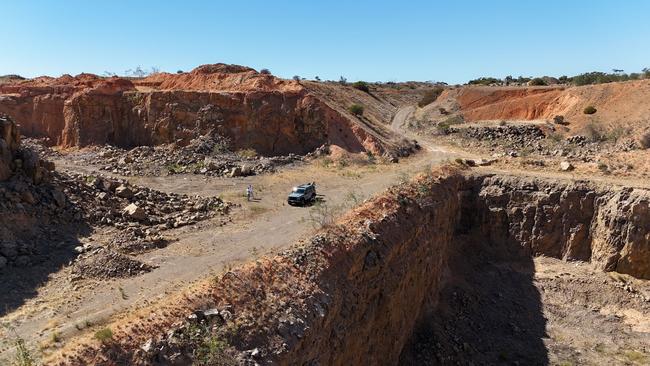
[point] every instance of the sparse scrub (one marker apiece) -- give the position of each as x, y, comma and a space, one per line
616, 134
445, 126
537, 82
321, 215
431, 96
361, 85
265, 72
589, 110
594, 132
247, 153
644, 141
356, 109
555, 137
209, 349
485, 81
175, 168
55, 337
104, 335
23, 356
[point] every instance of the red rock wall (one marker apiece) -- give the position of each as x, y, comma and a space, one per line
270, 122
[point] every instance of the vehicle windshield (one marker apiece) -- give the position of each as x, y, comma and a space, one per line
300, 190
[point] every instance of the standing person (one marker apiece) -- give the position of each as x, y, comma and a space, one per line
249, 192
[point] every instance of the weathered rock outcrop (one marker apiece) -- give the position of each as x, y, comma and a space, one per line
608, 226
353, 293
9, 142
258, 111
14, 159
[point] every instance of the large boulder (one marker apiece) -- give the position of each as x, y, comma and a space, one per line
134, 212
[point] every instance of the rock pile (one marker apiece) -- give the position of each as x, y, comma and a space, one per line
207, 155
521, 135
117, 203
104, 264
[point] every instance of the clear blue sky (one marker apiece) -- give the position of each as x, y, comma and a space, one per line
451, 41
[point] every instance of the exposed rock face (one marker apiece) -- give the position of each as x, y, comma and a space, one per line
14, 159
358, 289
253, 110
9, 142
577, 221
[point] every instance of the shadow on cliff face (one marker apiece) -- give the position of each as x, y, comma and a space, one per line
488, 313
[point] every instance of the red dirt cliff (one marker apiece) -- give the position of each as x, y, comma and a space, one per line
255, 110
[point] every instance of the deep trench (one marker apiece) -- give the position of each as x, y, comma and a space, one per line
487, 308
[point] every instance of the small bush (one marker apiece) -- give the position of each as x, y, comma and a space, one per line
555, 137
104, 335
296, 77
322, 216
247, 153
430, 96
594, 132
559, 120
356, 109
503, 123
265, 72
537, 82
361, 85
590, 110
644, 141
23, 357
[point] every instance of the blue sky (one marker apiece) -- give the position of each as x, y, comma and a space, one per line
451, 41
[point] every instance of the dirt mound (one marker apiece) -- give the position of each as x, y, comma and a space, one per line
105, 264
618, 104
221, 77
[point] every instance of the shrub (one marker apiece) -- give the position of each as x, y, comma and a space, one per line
23, 357
104, 335
322, 216
247, 153
179, 71
361, 85
644, 141
343, 81
296, 78
485, 81
594, 132
430, 96
356, 109
265, 72
590, 110
537, 82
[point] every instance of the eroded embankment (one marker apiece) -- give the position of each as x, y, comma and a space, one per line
354, 293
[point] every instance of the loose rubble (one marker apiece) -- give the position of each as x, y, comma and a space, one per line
206, 155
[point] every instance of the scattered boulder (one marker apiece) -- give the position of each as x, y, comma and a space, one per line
236, 172
123, 191
134, 212
565, 166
